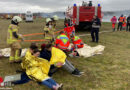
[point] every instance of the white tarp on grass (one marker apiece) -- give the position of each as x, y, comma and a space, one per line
6, 52
88, 51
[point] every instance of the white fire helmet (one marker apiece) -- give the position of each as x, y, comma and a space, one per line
17, 19
48, 20
55, 17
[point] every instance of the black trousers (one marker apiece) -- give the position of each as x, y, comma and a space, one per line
119, 26
128, 27
95, 34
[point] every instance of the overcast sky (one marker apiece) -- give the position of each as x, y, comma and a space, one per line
57, 5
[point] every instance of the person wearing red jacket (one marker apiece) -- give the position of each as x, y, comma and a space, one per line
124, 23
114, 21
68, 29
121, 20
62, 41
77, 42
74, 21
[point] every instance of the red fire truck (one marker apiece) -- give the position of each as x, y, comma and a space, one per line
83, 15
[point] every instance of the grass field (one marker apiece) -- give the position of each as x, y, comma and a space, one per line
110, 71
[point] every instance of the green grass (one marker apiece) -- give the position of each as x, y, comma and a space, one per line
109, 71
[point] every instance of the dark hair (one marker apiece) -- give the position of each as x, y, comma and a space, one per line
48, 46
33, 46
35, 51
12, 22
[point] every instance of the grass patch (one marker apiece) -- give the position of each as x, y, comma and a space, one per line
103, 72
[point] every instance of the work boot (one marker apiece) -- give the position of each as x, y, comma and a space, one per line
76, 72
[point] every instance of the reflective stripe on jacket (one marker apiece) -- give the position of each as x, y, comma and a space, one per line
48, 33
62, 42
10, 38
77, 42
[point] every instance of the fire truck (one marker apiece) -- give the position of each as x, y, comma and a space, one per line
82, 16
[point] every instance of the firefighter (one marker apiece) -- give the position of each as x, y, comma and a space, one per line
96, 24
54, 20
49, 31
124, 23
121, 19
62, 42
12, 40
128, 23
113, 20
77, 42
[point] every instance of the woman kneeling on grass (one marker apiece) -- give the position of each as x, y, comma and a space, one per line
37, 69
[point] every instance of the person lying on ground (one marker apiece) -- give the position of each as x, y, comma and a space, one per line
58, 59
77, 44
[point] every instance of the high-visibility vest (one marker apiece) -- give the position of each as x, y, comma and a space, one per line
10, 38
62, 42
77, 42
121, 19
48, 33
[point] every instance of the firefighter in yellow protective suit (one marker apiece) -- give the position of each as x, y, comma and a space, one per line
49, 31
54, 21
12, 40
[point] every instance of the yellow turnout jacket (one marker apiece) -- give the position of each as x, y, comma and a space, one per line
10, 38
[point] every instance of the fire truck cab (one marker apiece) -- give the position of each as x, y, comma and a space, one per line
82, 16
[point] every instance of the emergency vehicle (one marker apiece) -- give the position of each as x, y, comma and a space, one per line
29, 16
82, 16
